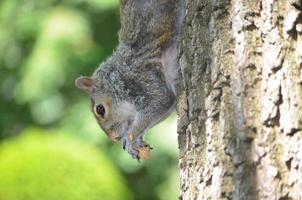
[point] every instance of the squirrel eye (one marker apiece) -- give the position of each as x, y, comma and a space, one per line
100, 110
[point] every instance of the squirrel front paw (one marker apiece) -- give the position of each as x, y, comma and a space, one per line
129, 147
137, 148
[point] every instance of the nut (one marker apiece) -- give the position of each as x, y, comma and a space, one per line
144, 153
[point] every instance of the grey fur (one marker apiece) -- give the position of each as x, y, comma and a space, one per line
142, 73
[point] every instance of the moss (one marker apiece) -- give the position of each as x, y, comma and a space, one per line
56, 167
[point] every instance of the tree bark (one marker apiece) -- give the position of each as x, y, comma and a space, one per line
240, 100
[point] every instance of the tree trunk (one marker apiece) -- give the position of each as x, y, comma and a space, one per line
240, 100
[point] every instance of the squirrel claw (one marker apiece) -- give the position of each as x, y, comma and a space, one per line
124, 145
147, 145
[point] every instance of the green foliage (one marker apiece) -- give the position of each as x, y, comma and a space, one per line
44, 46
49, 167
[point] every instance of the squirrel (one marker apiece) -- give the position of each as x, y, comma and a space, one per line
135, 88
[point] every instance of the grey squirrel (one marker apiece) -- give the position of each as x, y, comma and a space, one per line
135, 88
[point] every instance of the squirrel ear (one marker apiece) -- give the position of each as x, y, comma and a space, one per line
85, 83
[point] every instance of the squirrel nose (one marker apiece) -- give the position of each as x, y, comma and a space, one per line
114, 136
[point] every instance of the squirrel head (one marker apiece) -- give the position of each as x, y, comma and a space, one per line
114, 117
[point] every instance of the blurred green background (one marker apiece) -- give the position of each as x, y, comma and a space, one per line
51, 147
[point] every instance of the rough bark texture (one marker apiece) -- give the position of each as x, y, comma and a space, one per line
240, 100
